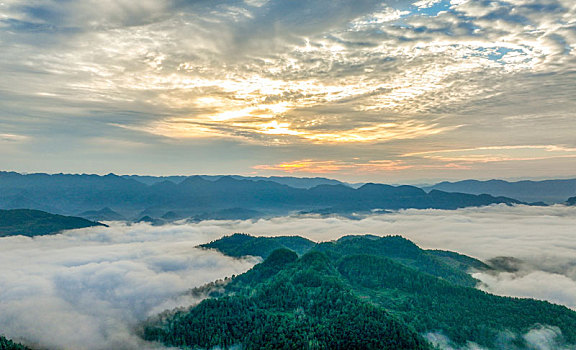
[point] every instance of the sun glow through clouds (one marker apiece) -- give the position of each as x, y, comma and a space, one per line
389, 76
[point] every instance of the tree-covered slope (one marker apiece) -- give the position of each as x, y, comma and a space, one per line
400, 250
358, 292
31, 223
448, 265
459, 261
464, 314
287, 303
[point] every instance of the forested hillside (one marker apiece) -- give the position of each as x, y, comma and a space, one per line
357, 292
36, 223
287, 303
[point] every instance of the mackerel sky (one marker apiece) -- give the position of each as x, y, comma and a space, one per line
388, 91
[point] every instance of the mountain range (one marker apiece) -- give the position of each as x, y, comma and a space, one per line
548, 191
296, 182
112, 197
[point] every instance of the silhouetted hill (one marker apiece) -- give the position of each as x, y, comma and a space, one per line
549, 191
571, 201
31, 223
226, 197
360, 292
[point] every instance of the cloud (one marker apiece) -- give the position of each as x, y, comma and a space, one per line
498, 154
287, 74
6, 138
88, 289
443, 342
540, 337
554, 287
326, 167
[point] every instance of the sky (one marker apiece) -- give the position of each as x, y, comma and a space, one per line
386, 91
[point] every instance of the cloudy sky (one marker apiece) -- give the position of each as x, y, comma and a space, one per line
391, 91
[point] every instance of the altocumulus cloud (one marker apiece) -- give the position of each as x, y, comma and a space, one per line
88, 289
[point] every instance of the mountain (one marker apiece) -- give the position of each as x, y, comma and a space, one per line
287, 303
239, 245
32, 223
104, 214
362, 292
443, 264
296, 182
224, 198
151, 180
549, 191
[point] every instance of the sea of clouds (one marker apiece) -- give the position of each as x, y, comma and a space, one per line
90, 288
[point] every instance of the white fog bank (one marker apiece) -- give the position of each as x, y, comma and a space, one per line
87, 289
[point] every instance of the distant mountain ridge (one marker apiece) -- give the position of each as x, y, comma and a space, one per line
296, 182
549, 191
111, 195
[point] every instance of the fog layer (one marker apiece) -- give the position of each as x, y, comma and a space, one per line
88, 288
